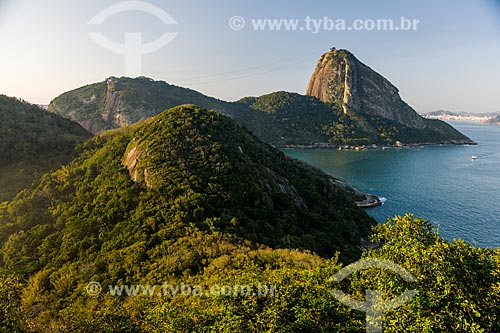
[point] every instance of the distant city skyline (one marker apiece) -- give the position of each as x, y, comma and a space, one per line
449, 62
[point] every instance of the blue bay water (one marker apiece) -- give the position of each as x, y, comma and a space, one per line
442, 184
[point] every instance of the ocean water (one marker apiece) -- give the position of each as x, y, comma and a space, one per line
442, 184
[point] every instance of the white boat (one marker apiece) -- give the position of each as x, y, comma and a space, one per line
474, 157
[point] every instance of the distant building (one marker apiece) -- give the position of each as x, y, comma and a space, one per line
463, 116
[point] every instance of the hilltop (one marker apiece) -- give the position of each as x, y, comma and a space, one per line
346, 103
188, 200
373, 103
176, 192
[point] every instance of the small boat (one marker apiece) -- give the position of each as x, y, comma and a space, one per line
474, 157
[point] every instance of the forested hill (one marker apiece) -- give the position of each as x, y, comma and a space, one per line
32, 142
373, 114
153, 190
189, 199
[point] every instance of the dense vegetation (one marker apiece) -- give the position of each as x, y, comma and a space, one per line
32, 142
190, 198
116, 102
435, 131
306, 120
199, 188
279, 118
458, 290
289, 118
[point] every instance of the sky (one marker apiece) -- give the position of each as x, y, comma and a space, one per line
451, 61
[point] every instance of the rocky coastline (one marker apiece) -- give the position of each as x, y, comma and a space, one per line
369, 202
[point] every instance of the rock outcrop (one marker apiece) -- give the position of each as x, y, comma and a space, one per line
349, 105
340, 78
117, 102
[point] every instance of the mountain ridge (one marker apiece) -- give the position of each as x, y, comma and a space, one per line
189, 198
352, 105
193, 168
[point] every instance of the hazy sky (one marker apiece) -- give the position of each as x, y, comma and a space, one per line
451, 62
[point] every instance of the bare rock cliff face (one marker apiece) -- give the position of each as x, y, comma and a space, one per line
117, 102
117, 112
131, 161
342, 79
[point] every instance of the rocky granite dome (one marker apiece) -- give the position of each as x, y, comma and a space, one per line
340, 78
351, 105
363, 94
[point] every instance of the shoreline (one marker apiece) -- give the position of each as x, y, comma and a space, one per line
369, 202
397, 145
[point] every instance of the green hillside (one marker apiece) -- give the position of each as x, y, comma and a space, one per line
188, 200
289, 118
32, 142
117, 102
169, 196
279, 118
